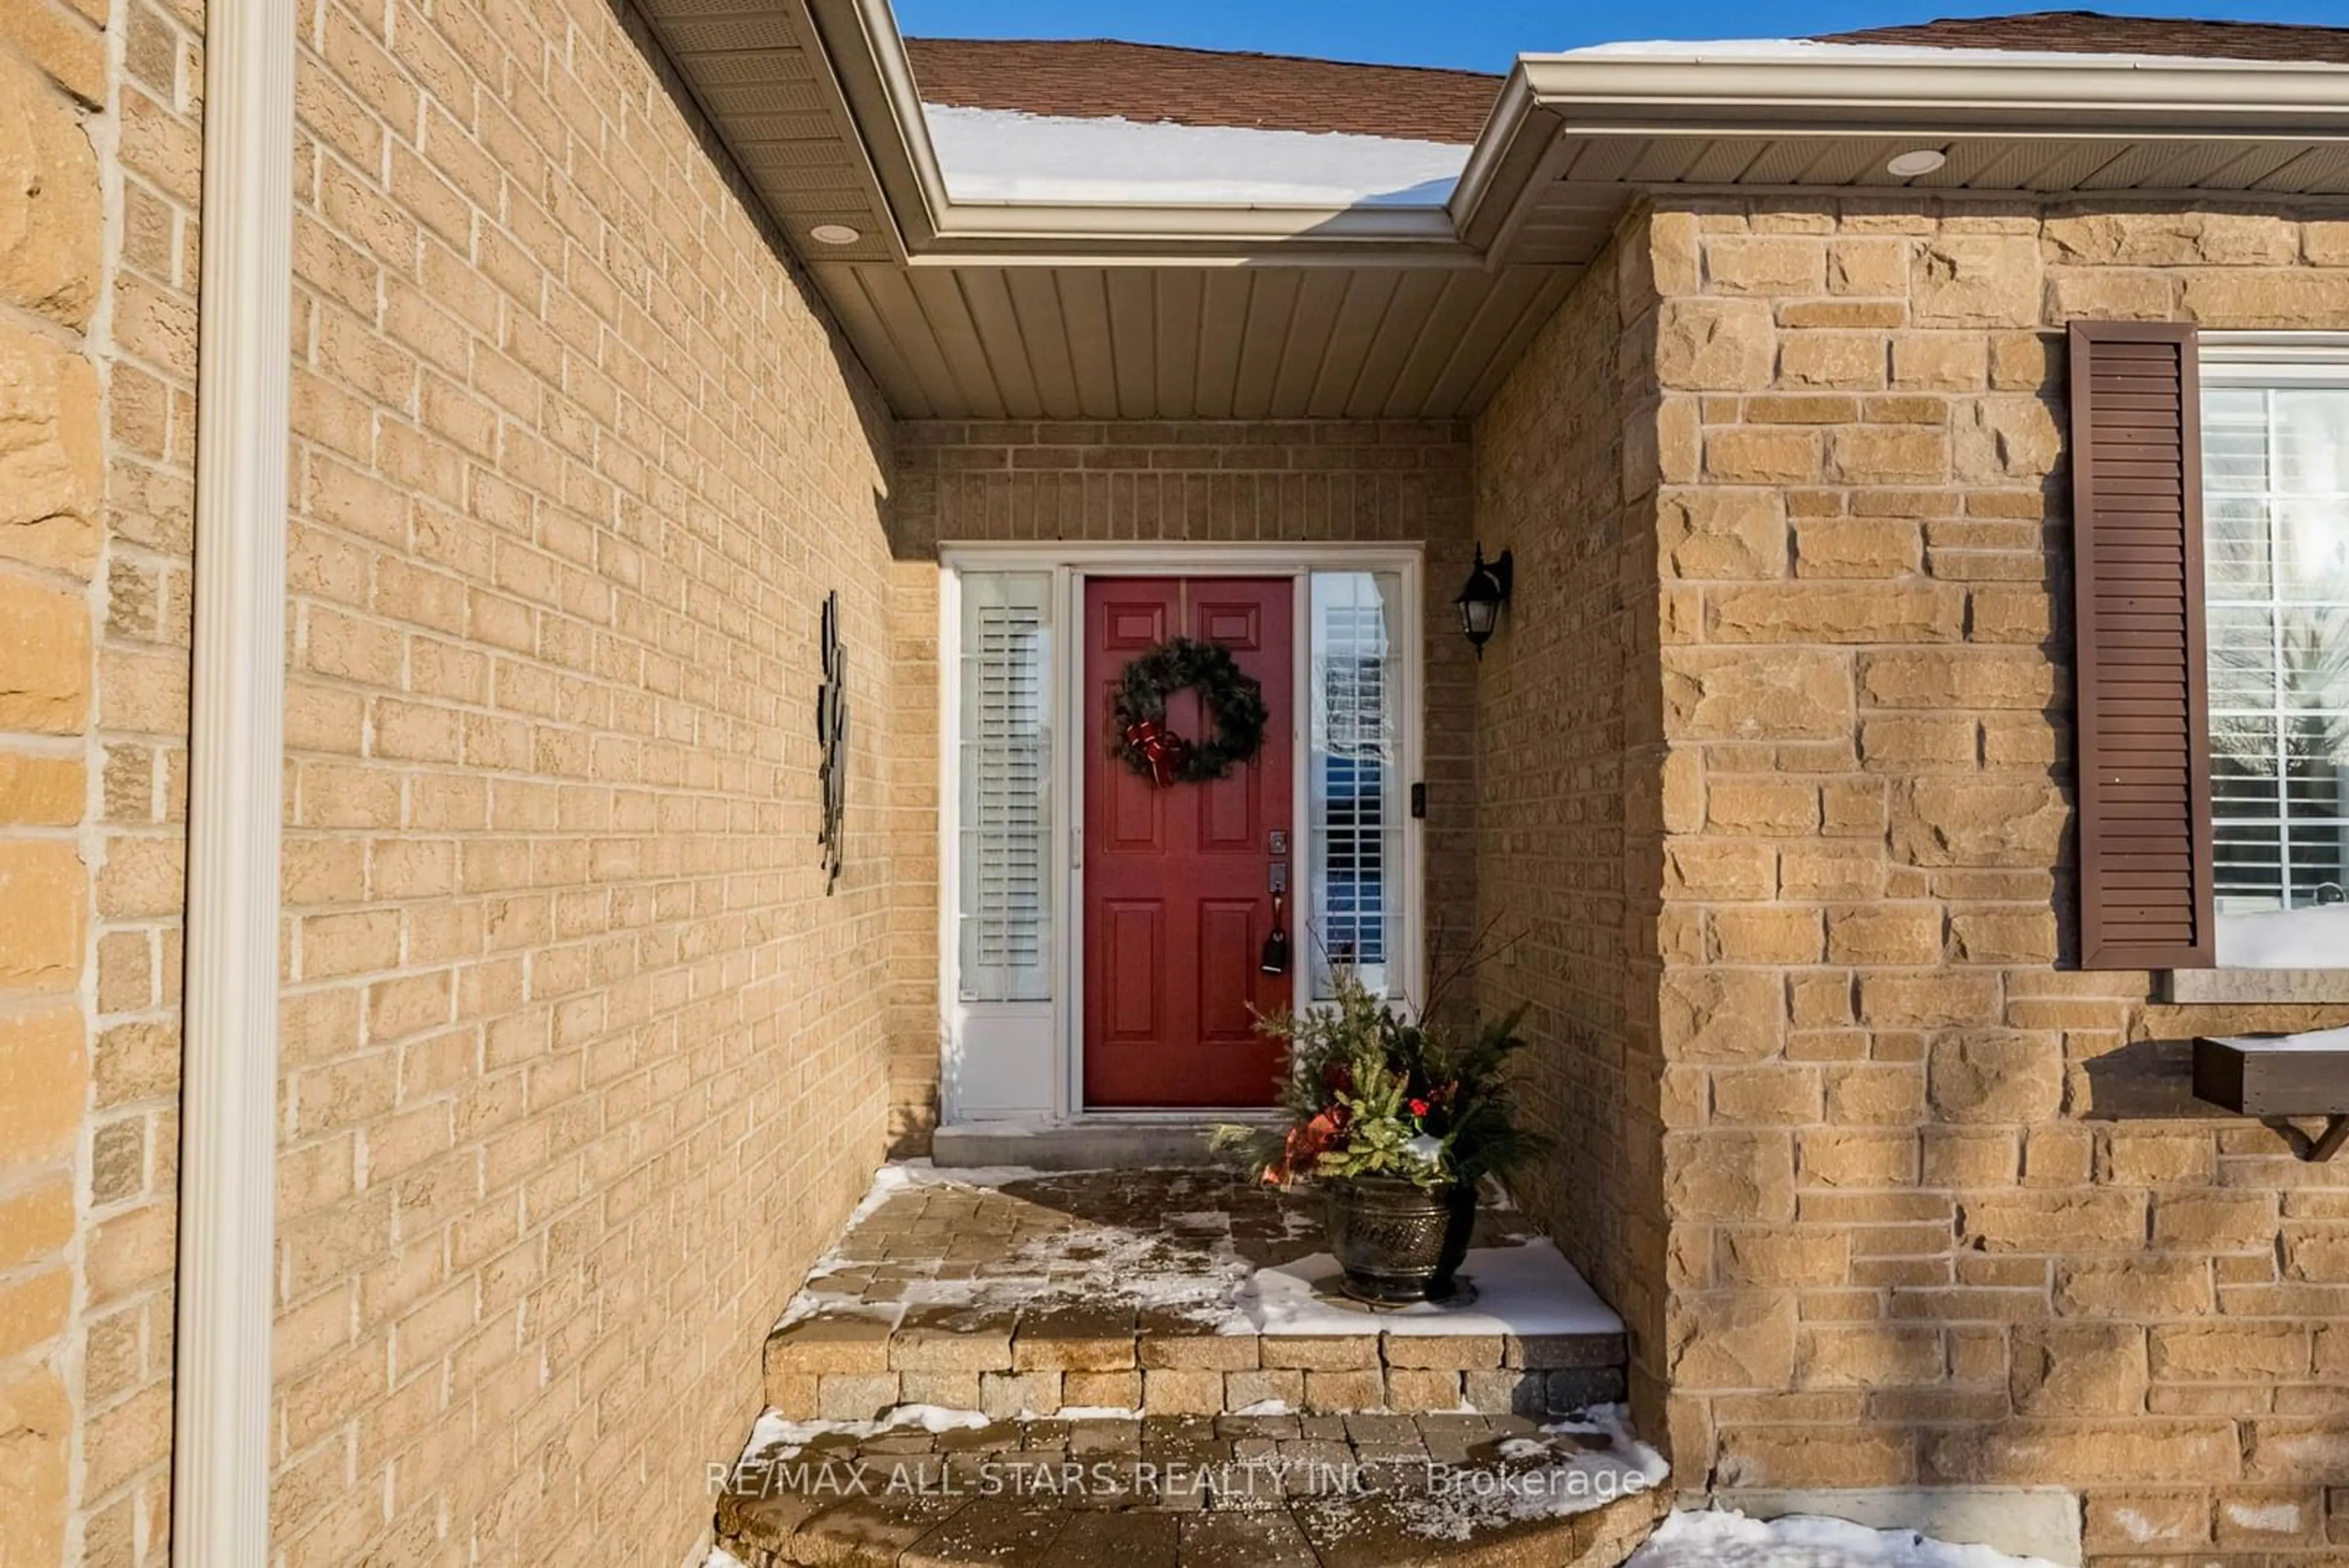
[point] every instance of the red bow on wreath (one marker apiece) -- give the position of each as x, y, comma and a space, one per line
1160, 748
1230, 701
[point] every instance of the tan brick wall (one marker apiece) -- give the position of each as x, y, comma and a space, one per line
123, 1502
67, 1428
581, 1062
1196, 480
1940, 1207
1569, 732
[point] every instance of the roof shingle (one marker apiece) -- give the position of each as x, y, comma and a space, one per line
2093, 33
1096, 78
1092, 78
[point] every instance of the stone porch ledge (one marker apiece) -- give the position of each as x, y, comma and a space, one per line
1166, 1293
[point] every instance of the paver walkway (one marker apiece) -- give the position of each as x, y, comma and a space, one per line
1229, 1491
1153, 1369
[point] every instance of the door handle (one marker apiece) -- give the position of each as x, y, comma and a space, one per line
1279, 878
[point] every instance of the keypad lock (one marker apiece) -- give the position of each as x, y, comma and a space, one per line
1276, 941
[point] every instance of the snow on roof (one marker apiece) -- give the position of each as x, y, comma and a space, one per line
1103, 78
1003, 155
1096, 121
1100, 78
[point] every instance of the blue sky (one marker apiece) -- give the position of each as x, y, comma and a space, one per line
1486, 35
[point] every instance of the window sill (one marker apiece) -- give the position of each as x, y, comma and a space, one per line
2241, 986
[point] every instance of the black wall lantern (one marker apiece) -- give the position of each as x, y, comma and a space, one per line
1481, 597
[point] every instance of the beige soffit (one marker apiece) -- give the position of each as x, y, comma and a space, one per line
1123, 341
971, 309
1766, 118
1791, 114
768, 90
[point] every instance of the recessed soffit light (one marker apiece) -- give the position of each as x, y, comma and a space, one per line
834, 234
1923, 161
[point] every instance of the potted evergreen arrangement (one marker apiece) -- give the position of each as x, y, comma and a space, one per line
1397, 1121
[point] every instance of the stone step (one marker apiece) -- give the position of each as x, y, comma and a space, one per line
1165, 1292
1233, 1492
852, 1364
1100, 1145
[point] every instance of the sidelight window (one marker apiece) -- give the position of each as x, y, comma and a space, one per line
1006, 758
1354, 791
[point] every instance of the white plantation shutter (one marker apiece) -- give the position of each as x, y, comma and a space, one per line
1355, 792
1006, 766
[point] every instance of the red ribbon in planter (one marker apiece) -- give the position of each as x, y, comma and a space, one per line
1161, 749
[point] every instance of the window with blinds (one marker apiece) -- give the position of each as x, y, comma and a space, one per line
2276, 506
1354, 790
1006, 757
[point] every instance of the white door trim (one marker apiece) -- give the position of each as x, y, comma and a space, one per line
1069, 565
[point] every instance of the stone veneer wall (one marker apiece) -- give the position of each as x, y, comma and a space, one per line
1217, 482
57, 316
1941, 1208
1569, 732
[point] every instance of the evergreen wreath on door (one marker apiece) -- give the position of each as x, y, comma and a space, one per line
1232, 698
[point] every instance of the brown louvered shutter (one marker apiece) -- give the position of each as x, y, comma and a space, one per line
2143, 688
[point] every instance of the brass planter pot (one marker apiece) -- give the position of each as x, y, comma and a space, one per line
1399, 1244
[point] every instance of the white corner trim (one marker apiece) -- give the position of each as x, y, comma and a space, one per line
220, 1439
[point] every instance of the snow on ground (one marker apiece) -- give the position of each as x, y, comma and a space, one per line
770, 1431
1724, 1538
1526, 1289
1003, 155
1572, 1467
899, 1175
1099, 1266
1184, 1266
1092, 1263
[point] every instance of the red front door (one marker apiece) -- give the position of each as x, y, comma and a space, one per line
1178, 880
